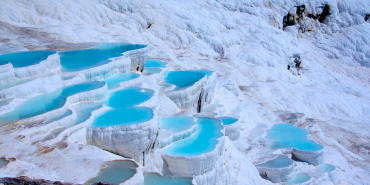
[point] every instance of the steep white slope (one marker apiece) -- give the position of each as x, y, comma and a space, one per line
332, 85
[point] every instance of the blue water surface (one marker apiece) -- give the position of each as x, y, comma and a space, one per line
76, 60
200, 142
176, 124
299, 178
279, 162
116, 172
288, 136
128, 97
203, 71
228, 120
155, 63
123, 116
84, 110
325, 168
46, 102
115, 80
155, 179
183, 78
26, 58
152, 70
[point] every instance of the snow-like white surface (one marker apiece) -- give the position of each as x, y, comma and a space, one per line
243, 42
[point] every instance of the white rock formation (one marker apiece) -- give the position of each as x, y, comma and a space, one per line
50, 64
133, 141
281, 174
30, 87
197, 165
233, 131
6, 73
312, 157
195, 96
138, 58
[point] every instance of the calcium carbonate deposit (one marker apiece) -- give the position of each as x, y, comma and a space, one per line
206, 92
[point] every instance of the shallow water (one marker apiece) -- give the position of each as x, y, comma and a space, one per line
202, 141
289, 136
176, 124
279, 162
76, 60
155, 63
123, 116
116, 172
325, 168
128, 97
203, 71
152, 70
228, 120
3, 162
46, 102
299, 178
115, 80
84, 112
183, 78
27, 58
155, 179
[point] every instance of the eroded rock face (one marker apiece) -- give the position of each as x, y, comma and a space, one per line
22, 180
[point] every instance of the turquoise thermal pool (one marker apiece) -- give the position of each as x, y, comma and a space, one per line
228, 120
325, 168
200, 142
154, 66
152, 70
288, 136
115, 80
299, 178
183, 78
84, 112
155, 63
128, 97
76, 60
203, 71
176, 124
27, 58
46, 102
123, 116
115, 172
155, 179
279, 162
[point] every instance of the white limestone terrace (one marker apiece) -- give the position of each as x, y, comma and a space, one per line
173, 128
27, 88
54, 102
32, 63
103, 60
232, 127
129, 132
6, 73
278, 168
200, 155
128, 126
193, 89
330, 170
296, 141
156, 68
